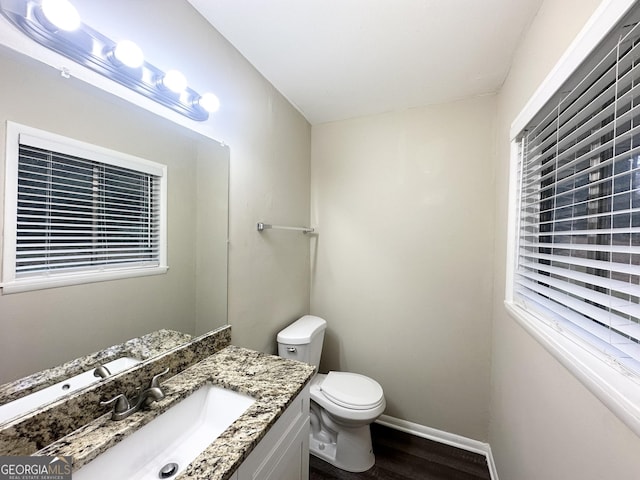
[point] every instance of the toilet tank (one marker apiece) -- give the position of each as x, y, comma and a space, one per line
302, 340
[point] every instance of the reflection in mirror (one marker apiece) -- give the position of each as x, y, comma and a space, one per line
39, 389
44, 328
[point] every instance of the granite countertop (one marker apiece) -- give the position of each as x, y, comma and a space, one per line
273, 381
141, 348
27, 434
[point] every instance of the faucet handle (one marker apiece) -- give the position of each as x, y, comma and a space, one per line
155, 381
121, 403
101, 371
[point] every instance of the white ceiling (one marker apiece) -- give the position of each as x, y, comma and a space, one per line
338, 59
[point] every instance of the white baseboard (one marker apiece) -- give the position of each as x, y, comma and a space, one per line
447, 438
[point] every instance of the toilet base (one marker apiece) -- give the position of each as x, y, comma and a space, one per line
352, 451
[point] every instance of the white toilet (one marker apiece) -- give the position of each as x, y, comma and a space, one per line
343, 405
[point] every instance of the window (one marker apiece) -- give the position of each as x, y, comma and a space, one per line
573, 271
77, 213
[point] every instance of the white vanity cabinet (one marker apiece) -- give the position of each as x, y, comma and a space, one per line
283, 454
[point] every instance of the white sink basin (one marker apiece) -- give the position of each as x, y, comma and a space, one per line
54, 392
177, 437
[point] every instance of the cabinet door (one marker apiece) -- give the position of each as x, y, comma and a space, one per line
293, 464
283, 454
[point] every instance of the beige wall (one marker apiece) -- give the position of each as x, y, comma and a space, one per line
401, 269
211, 234
544, 423
269, 145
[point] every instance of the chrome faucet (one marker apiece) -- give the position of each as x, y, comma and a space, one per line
101, 371
122, 407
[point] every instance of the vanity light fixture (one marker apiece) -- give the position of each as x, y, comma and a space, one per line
174, 80
209, 102
60, 15
128, 53
56, 24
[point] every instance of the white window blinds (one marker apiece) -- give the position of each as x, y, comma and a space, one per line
78, 213
578, 260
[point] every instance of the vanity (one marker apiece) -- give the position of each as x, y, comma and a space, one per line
268, 441
266, 436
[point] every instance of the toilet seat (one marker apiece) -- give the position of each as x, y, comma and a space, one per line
348, 416
352, 390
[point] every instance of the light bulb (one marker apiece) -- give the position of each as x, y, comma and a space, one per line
129, 54
61, 14
209, 102
174, 81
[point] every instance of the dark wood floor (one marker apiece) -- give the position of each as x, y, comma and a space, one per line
400, 456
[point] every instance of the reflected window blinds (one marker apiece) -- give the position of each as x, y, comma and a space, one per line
75, 214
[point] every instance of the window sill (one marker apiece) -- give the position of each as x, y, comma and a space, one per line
612, 386
18, 286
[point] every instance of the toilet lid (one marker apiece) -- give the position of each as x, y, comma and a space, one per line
352, 390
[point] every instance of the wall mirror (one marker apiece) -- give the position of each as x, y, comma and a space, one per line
45, 328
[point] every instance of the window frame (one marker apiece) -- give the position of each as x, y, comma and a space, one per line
609, 382
12, 284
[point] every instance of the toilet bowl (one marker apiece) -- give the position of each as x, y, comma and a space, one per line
343, 404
